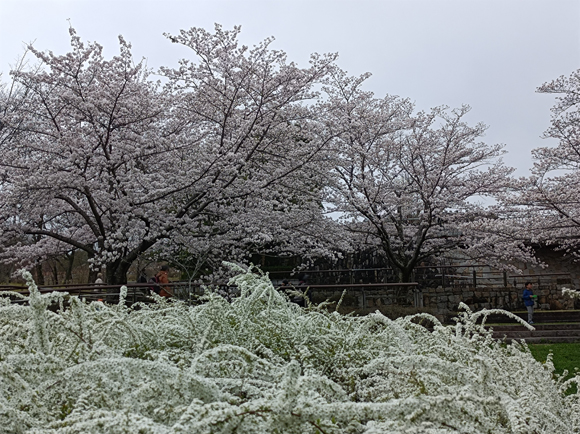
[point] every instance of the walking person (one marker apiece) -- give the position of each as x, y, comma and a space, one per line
96, 290
161, 278
528, 298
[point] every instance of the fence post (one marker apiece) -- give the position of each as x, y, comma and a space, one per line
418, 299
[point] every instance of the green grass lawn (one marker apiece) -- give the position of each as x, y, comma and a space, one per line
566, 357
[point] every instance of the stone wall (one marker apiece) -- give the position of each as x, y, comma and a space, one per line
444, 301
509, 298
442, 287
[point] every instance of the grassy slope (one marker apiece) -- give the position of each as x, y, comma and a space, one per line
566, 356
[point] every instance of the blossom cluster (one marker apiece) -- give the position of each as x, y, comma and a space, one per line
261, 364
572, 293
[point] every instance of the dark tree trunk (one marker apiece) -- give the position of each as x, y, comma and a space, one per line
117, 272
116, 275
405, 275
92, 275
55, 272
39, 274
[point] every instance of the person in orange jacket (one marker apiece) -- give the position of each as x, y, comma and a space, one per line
163, 277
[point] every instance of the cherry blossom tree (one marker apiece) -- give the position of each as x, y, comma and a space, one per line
543, 209
99, 157
406, 181
550, 195
291, 230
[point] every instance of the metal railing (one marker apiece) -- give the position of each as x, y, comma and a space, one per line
431, 276
93, 292
362, 283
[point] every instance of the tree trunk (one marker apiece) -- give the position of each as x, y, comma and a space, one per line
39, 274
55, 272
405, 275
92, 275
117, 272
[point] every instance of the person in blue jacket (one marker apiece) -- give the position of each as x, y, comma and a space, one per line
528, 298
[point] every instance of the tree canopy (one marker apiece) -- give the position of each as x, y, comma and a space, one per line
543, 208
408, 181
239, 150
99, 157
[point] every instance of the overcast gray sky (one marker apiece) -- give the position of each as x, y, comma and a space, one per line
490, 54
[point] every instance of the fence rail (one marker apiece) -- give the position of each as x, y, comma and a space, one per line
431, 285
139, 292
431, 276
93, 292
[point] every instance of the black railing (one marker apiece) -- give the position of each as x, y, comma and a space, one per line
444, 276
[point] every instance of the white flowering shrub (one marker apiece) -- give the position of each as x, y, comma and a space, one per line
572, 293
261, 364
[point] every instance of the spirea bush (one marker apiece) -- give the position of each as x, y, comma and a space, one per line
261, 364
